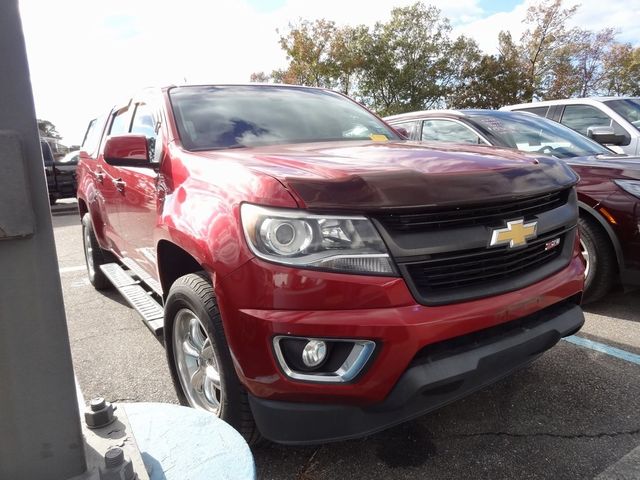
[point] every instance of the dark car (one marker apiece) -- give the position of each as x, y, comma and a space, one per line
608, 192
61, 176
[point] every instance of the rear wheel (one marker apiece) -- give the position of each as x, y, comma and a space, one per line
201, 367
94, 255
601, 265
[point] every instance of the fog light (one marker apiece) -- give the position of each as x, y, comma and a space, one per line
314, 353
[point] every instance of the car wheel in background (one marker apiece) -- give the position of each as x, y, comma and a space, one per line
94, 255
601, 269
200, 362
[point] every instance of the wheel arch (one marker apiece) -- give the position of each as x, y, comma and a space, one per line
589, 212
173, 263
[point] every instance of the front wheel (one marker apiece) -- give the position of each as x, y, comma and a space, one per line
199, 357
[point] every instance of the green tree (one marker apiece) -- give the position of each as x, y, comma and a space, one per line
308, 48
622, 70
544, 43
48, 129
404, 59
494, 80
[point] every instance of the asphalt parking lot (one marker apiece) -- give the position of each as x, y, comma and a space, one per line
574, 413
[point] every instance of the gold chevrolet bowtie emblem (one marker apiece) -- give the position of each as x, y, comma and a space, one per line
516, 234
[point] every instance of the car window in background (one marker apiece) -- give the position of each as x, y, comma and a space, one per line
217, 117
541, 111
411, 128
530, 133
581, 117
627, 108
448, 131
47, 154
70, 158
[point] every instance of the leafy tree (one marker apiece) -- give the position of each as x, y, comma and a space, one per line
544, 43
404, 60
259, 77
308, 48
493, 81
622, 70
48, 129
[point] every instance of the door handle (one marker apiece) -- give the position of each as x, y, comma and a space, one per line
120, 184
99, 176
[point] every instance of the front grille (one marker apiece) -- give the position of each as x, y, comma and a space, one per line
463, 269
490, 214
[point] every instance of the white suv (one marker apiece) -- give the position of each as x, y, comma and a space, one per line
611, 121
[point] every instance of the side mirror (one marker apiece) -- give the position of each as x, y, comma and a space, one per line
605, 136
127, 151
402, 131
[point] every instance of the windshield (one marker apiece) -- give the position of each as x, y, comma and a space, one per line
530, 133
217, 117
628, 108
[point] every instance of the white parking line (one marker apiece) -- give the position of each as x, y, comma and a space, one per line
72, 269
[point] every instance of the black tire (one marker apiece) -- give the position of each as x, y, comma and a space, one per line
97, 255
603, 266
194, 292
52, 200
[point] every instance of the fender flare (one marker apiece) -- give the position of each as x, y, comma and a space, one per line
607, 228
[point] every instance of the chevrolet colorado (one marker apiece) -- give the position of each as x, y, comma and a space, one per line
316, 277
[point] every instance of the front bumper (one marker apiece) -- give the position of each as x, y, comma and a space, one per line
439, 376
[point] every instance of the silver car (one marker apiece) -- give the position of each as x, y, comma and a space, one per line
611, 121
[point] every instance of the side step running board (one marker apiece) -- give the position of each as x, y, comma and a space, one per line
150, 310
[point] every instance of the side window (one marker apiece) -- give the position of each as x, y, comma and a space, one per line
121, 122
47, 154
145, 124
93, 135
541, 111
448, 131
410, 127
581, 117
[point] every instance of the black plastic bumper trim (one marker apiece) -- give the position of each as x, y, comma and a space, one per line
422, 388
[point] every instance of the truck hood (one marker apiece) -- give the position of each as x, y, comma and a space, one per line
388, 175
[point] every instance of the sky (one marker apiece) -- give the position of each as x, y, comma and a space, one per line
86, 55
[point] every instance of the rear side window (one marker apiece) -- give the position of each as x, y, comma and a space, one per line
93, 135
541, 111
448, 131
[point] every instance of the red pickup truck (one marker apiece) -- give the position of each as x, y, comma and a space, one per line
315, 276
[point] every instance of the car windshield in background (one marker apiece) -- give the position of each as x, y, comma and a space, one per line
530, 133
628, 108
218, 117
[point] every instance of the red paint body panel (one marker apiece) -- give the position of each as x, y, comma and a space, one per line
382, 309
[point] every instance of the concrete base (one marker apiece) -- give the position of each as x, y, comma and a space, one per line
179, 442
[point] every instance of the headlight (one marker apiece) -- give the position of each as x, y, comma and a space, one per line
630, 186
292, 237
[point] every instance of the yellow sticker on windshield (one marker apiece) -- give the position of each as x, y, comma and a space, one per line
378, 137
